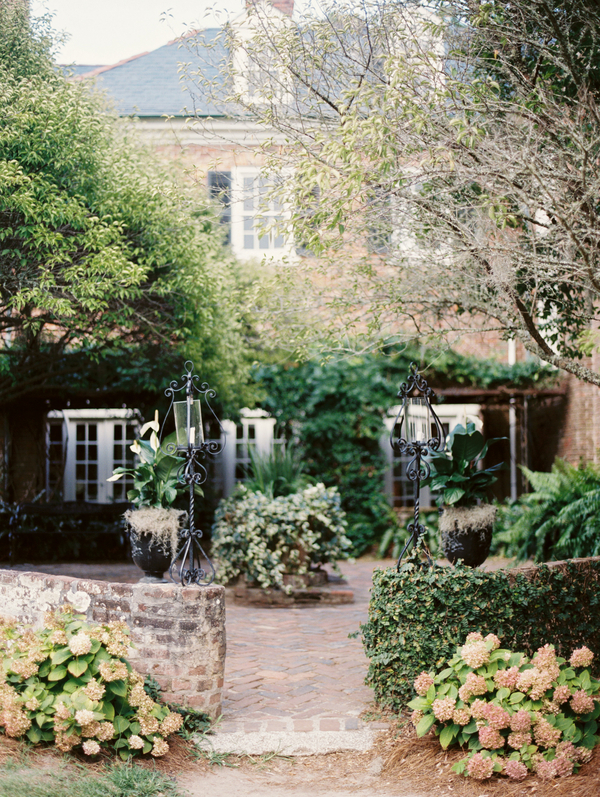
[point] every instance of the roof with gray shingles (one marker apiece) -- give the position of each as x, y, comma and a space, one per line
150, 84
79, 69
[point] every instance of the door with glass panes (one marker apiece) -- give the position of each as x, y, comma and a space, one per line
83, 448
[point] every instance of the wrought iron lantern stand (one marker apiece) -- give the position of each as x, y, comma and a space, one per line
191, 445
419, 435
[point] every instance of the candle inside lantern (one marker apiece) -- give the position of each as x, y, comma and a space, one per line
417, 419
188, 423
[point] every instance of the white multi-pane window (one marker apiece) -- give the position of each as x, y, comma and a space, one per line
82, 449
262, 215
257, 218
399, 488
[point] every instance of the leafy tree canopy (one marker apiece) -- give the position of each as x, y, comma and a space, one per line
444, 160
102, 254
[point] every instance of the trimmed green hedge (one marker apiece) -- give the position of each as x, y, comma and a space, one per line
418, 616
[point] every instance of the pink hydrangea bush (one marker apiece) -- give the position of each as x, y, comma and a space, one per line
71, 684
516, 715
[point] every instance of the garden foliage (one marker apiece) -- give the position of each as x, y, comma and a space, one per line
418, 616
102, 252
155, 482
515, 714
265, 537
457, 471
333, 412
71, 684
560, 519
280, 472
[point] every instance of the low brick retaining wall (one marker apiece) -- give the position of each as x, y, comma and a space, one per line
178, 632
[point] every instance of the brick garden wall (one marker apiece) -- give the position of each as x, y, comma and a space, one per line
178, 632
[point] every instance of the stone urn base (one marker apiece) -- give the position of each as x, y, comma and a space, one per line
466, 533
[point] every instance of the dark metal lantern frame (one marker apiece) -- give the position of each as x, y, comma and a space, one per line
190, 558
417, 468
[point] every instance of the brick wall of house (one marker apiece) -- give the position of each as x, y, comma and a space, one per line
178, 632
580, 437
285, 6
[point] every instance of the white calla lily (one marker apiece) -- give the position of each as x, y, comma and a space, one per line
154, 425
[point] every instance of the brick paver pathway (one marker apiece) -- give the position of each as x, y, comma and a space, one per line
296, 669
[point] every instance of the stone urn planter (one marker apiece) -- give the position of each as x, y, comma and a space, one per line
154, 536
466, 533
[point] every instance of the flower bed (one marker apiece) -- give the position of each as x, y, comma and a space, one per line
71, 684
516, 715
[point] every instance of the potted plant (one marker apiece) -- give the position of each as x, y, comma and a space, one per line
466, 520
154, 523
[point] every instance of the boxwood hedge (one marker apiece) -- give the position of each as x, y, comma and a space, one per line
418, 616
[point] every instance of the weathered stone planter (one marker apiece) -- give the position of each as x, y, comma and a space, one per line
178, 632
311, 589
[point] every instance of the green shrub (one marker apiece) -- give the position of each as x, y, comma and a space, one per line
70, 684
265, 537
277, 473
523, 714
559, 520
418, 616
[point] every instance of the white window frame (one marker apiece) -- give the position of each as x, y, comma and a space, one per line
263, 225
105, 420
239, 439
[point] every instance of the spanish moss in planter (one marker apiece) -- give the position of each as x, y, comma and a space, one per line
465, 525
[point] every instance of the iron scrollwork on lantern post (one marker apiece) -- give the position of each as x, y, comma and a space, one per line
191, 445
422, 435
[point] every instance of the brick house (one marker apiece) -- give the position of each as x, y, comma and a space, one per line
223, 159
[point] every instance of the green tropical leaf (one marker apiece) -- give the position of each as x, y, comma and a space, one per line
419, 704
466, 447
121, 724
452, 495
61, 655
447, 736
117, 688
34, 735
44, 669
